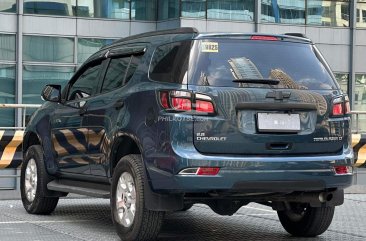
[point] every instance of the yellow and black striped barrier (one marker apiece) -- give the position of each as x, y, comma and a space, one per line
11, 148
359, 148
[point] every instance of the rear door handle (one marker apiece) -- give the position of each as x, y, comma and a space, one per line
119, 104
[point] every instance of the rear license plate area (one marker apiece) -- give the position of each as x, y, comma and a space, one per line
278, 122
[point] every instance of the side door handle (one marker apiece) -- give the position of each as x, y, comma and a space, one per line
119, 104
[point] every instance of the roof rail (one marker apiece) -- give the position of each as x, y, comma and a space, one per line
300, 35
184, 30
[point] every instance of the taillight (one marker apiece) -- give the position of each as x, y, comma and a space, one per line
200, 171
343, 170
262, 37
207, 171
337, 109
347, 106
186, 101
181, 104
204, 106
341, 106
164, 99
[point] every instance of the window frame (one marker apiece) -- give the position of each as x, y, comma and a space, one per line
153, 55
85, 67
122, 52
103, 58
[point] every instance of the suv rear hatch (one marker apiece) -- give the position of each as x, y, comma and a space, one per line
271, 96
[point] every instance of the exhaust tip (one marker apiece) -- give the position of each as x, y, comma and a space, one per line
325, 197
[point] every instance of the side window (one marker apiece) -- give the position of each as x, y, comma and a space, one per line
87, 82
115, 74
135, 61
120, 71
170, 62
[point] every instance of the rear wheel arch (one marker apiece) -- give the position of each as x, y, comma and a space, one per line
129, 145
123, 146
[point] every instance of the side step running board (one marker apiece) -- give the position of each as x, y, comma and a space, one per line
82, 188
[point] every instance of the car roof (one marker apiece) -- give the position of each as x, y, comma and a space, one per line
163, 36
297, 37
188, 33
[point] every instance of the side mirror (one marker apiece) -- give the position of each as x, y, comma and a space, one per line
51, 93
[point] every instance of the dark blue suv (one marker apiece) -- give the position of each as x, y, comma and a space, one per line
160, 121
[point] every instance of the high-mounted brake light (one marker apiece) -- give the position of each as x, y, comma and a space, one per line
262, 37
186, 101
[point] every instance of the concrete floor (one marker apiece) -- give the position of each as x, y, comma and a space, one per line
90, 220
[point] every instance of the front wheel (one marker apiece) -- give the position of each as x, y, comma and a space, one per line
301, 220
33, 183
130, 216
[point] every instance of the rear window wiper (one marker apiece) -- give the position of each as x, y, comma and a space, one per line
257, 81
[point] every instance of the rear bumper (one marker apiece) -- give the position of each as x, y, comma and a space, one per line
252, 174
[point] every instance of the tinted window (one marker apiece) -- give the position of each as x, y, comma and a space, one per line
115, 74
135, 60
295, 65
86, 84
170, 62
119, 72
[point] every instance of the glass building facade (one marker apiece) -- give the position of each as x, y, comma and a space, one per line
9, 6
53, 52
361, 13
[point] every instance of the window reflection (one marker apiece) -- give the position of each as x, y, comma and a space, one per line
231, 9
48, 49
88, 46
194, 8
361, 14
168, 9
104, 8
360, 101
59, 7
7, 93
7, 47
328, 13
36, 77
8, 6
292, 12
143, 10
360, 92
342, 79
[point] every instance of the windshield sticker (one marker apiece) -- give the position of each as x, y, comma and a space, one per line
210, 47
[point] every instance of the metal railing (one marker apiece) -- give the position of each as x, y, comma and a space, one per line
356, 126
24, 108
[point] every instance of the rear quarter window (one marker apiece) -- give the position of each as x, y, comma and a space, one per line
170, 62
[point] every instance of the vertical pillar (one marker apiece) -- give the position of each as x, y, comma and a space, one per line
257, 15
352, 58
19, 63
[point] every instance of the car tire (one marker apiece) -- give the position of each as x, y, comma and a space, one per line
305, 221
186, 207
130, 216
33, 183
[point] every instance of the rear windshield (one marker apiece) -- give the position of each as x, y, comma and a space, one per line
218, 62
